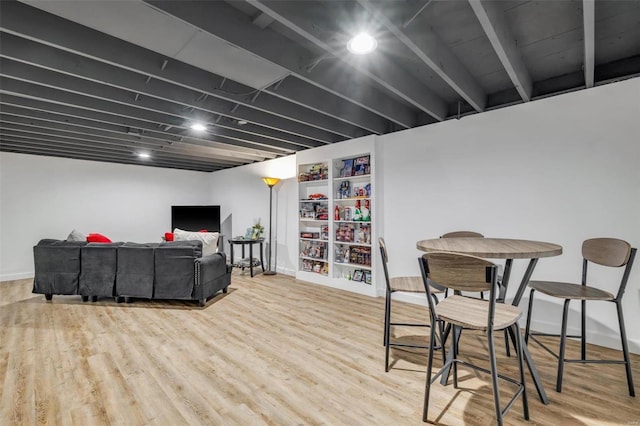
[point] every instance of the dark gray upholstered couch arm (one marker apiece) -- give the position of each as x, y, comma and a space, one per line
175, 269
212, 275
57, 267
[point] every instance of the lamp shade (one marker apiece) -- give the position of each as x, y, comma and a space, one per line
270, 181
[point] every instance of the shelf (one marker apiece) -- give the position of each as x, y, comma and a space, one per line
317, 273
338, 200
314, 259
314, 239
353, 221
361, 177
352, 244
314, 182
320, 200
352, 265
314, 220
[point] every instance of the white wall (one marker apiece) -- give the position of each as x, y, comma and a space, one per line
47, 197
244, 199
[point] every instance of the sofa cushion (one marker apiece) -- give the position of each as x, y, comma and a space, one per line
135, 270
209, 239
98, 269
194, 247
57, 266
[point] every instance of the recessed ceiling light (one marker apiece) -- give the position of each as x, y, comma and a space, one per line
361, 44
144, 155
242, 122
199, 127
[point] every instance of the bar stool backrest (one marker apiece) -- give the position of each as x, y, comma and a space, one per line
606, 251
460, 272
462, 234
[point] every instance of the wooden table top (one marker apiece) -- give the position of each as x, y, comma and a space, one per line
492, 248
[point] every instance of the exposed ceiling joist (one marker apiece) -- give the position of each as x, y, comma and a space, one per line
99, 75
491, 17
89, 145
432, 52
185, 144
262, 20
35, 147
31, 82
589, 24
38, 107
297, 91
10, 115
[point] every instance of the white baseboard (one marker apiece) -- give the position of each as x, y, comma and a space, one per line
286, 271
17, 276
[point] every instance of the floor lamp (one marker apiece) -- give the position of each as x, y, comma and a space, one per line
271, 182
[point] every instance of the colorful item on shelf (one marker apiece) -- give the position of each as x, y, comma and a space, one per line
347, 168
317, 197
319, 171
324, 232
343, 190
311, 235
344, 232
357, 212
366, 211
361, 166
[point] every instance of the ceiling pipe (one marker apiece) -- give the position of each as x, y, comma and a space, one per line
406, 23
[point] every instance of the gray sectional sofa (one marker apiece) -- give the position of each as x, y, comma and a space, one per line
168, 270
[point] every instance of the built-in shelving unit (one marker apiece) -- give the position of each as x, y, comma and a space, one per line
336, 221
314, 214
352, 224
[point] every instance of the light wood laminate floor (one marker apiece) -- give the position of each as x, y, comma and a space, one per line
272, 351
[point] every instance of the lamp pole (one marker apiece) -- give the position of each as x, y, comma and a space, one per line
271, 182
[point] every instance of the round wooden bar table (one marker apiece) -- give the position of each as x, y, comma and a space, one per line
497, 248
501, 248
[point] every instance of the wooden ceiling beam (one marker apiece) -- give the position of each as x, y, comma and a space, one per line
491, 17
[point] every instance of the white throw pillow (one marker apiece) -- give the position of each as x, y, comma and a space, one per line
209, 239
76, 236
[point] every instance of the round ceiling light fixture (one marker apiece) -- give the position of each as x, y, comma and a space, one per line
198, 127
144, 155
362, 44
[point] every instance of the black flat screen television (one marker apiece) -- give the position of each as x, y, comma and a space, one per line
195, 218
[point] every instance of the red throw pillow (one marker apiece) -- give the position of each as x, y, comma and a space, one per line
168, 236
97, 238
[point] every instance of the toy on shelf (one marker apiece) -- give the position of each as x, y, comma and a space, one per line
357, 212
343, 190
366, 211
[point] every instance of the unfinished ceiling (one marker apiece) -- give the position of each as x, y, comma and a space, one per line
107, 80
